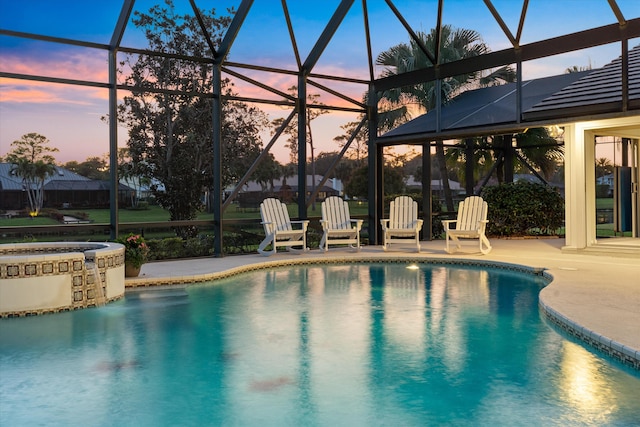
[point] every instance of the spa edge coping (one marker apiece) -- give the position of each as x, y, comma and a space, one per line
35, 249
624, 354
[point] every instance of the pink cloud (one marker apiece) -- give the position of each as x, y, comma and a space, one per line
25, 91
92, 67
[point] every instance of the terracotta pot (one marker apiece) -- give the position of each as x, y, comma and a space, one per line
131, 271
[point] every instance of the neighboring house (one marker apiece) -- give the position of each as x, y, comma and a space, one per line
437, 185
608, 181
605, 180
141, 188
252, 194
63, 189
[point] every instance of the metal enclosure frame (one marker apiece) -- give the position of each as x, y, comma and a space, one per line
617, 32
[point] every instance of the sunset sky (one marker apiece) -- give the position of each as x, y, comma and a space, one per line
70, 117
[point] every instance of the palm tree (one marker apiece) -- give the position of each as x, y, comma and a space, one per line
603, 167
482, 159
535, 149
33, 163
578, 69
540, 150
455, 44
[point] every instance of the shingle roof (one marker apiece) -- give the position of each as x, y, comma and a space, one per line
596, 93
89, 185
487, 106
8, 181
565, 96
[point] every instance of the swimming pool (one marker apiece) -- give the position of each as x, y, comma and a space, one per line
355, 344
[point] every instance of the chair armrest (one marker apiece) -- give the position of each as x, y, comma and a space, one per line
304, 223
385, 223
447, 222
358, 223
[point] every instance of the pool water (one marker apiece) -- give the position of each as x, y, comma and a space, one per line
332, 345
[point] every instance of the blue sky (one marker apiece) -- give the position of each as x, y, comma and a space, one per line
70, 117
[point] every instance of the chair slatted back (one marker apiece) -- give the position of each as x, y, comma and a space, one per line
471, 211
336, 212
275, 212
403, 213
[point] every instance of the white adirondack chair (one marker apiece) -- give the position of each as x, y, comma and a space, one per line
279, 230
403, 224
337, 225
470, 224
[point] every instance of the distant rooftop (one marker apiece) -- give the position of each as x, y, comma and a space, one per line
8, 181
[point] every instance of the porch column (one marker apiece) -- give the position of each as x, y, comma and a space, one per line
575, 188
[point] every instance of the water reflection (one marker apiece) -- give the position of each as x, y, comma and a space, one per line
583, 384
337, 345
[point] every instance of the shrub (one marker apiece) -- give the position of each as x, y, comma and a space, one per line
523, 208
602, 191
169, 248
136, 250
176, 247
199, 246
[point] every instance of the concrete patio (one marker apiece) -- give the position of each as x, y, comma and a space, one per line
593, 297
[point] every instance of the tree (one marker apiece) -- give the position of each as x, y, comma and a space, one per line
32, 161
541, 150
603, 167
358, 184
129, 173
292, 130
170, 126
292, 127
577, 69
93, 168
267, 172
537, 149
455, 44
358, 148
343, 170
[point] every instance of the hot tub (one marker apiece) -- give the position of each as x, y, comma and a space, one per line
49, 277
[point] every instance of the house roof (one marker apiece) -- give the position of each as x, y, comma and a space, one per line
564, 96
61, 178
600, 91
292, 182
436, 184
89, 185
487, 106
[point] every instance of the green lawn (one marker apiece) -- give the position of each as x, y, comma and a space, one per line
157, 214
27, 222
604, 203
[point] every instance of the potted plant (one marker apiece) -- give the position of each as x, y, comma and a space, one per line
136, 251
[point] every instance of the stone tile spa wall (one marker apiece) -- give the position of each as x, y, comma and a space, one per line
49, 277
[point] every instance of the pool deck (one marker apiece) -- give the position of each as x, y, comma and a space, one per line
593, 297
